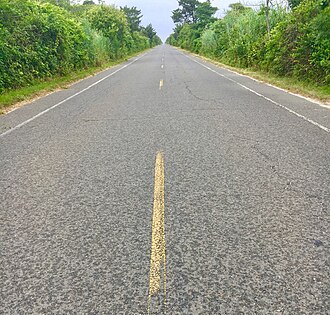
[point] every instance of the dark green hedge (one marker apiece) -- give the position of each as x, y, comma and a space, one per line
298, 45
38, 40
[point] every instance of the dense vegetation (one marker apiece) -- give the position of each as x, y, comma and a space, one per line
291, 42
41, 39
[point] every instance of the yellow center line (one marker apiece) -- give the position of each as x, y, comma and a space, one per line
158, 254
161, 83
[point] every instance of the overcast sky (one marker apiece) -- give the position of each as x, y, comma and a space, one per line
158, 12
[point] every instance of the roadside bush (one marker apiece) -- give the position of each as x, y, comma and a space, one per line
112, 23
38, 40
236, 38
98, 45
140, 42
189, 38
209, 43
300, 44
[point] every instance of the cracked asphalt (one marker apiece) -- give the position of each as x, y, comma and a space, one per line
247, 199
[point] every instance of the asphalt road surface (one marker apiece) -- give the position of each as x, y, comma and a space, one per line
242, 228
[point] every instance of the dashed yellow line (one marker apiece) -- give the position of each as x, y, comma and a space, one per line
161, 84
157, 278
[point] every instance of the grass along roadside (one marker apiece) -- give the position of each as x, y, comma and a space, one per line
320, 94
13, 99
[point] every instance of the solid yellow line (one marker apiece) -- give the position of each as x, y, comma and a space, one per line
158, 254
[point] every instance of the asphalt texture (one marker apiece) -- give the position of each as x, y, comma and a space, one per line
247, 198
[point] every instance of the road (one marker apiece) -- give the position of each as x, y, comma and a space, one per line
166, 185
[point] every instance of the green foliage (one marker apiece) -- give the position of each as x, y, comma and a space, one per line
134, 17
205, 14
186, 13
140, 42
191, 18
294, 3
238, 7
112, 23
237, 37
156, 41
61, 3
88, 2
46, 38
98, 44
300, 44
193, 11
189, 38
209, 43
173, 38
151, 34
295, 43
38, 40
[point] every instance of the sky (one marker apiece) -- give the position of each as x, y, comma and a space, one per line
158, 12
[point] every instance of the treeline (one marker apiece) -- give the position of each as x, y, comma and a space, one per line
292, 41
41, 39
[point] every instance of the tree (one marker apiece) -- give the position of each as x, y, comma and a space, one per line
186, 13
238, 7
173, 38
149, 32
189, 37
294, 3
60, 3
38, 40
267, 17
88, 2
299, 45
133, 16
205, 14
194, 12
113, 25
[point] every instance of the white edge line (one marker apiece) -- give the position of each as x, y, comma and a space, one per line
311, 100
263, 96
67, 99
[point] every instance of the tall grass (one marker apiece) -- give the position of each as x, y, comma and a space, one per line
236, 38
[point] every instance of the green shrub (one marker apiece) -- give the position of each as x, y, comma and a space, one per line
237, 37
38, 40
300, 44
112, 23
